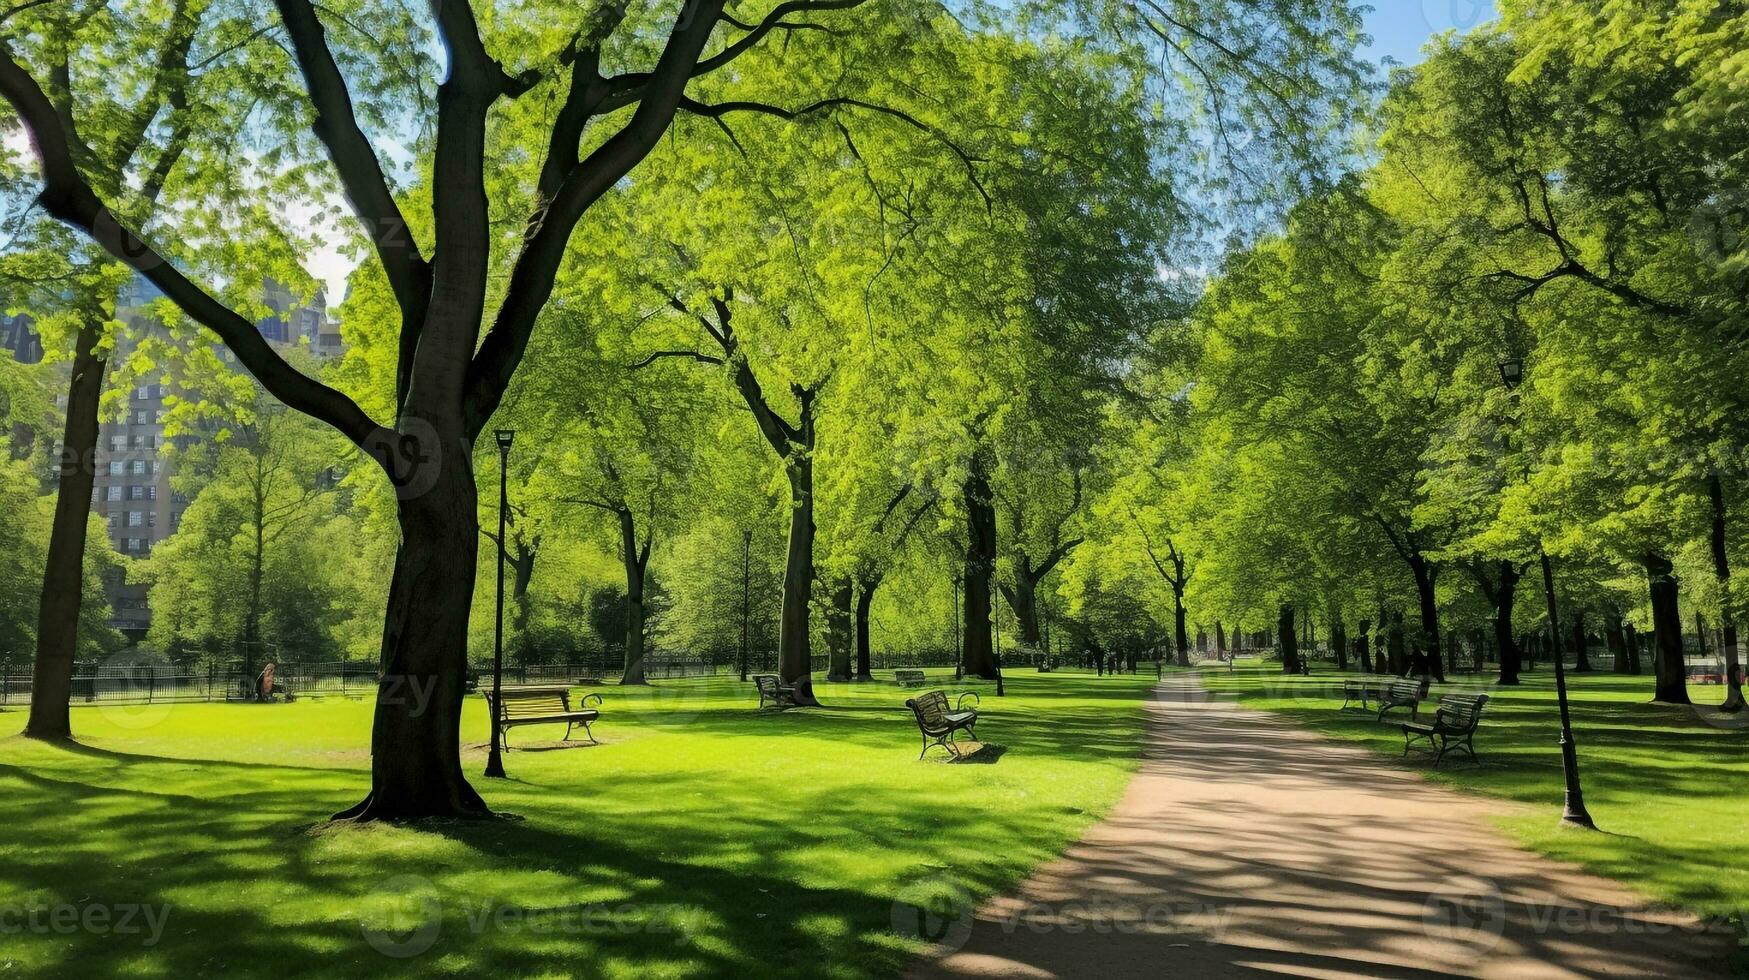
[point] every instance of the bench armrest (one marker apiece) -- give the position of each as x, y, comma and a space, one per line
583, 702
960, 705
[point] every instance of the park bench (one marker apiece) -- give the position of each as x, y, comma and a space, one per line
542, 705
938, 724
909, 678
1363, 691
1453, 727
774, 691
1402, 694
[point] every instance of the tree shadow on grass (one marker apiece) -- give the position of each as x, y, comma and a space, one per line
758, 859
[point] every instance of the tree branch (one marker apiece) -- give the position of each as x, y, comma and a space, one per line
533, 275
361, 174
67, 196
658, 355
718, 109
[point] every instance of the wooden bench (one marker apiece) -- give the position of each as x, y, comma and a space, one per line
938, 724
542, 705
909, 678
1453, 727
772, 690
1402, 694
1362, 691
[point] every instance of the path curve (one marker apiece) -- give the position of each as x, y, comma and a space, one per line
1247, 846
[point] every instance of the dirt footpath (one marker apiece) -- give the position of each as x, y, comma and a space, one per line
1246, 846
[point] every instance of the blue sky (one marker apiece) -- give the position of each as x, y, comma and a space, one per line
1400, 27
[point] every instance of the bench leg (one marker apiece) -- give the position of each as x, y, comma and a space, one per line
591, 733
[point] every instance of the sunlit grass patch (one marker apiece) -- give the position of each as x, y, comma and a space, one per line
703, 837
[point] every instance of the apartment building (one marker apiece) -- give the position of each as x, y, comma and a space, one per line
132, 492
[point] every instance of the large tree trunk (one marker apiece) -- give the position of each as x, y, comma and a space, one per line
635, 560
1363, 646
57, 622
1615, 639
838, 630
794, 663
416, 734
1633, 638
1290, 651
979, 654
1023, 599
257, 563
1399, 660
1505, 595
1182, 635
1727, 615
522, 573
1668, 665
1581, 643
864, 599
1338, 639
1429, 602
1220, 641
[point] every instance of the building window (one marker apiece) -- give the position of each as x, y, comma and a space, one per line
142, 392
118, 443
136, 518
136, 493
139, 467
114, 492
115, 466
151, 519
152, 492
139, 442
114, 522
135, 545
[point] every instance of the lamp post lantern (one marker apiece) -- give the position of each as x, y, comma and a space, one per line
1573, 811
495, 758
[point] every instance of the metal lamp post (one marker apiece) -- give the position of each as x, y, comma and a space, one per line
1573, 812
746, 566
495, 759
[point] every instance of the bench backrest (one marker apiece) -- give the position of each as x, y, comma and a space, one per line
534, 702
767, 684
1460, 712
930, 709
1405, 690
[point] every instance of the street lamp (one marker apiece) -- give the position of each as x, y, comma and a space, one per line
1574, 812
495, 759
1512, 372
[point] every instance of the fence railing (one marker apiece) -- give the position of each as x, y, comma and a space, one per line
152, 683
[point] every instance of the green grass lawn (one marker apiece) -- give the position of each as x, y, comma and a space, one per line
702, 838
1668, 785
